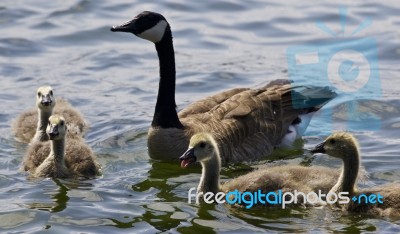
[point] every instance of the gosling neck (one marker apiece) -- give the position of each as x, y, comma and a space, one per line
348, 177
58, 150
209, 181
165, 115
43, 119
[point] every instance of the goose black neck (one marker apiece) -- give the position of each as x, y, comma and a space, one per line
165, 115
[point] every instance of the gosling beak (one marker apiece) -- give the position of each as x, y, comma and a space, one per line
53, 132
319, 148
126, 27
188, 158
46, 101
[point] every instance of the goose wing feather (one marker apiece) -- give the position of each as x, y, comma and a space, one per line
249, 123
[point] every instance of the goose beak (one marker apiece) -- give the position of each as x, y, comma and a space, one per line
46, 101
319, 148
126, 27
188, 158
53, 132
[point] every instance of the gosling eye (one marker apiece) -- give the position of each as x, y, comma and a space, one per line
39, 94
62, 123
202, 144
332, 141
51, 92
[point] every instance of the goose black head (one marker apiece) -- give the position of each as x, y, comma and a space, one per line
45, 99
147, 25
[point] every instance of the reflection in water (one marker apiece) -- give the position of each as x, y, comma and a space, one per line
59, 197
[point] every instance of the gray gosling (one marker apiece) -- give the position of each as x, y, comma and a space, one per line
60, 157
31, 124
344, 146
203, 148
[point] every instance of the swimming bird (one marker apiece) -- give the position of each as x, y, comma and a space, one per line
31, 124
246, 123
203, 149
61, 156
344, 146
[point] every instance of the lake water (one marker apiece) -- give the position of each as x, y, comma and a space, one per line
112, 78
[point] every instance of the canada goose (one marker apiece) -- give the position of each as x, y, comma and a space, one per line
246, 123
31, 124
344, 146
60, 157
203, 148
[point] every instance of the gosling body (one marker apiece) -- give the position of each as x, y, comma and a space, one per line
61, 156
344, 146
31, 124
203, 149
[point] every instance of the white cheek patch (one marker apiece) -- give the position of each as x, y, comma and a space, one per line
155, 33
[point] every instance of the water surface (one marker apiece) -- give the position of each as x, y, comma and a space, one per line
112, 78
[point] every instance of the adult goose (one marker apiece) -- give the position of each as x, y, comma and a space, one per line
31, 124
344, 146
60, 157
246, 123
203, 149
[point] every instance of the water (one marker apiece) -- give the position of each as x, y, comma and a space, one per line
113, 78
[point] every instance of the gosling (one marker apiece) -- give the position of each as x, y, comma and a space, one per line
203, 148
344, 146
60, 157
31, 124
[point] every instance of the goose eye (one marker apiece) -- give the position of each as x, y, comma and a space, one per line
202, 145
62, 123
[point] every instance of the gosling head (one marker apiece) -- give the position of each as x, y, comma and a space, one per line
45, 99
338, 145
57, 128
202, 147
147, 25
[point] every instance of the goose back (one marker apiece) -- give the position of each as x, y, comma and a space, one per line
246, 123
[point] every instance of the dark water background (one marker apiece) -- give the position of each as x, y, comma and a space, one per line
113, 79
